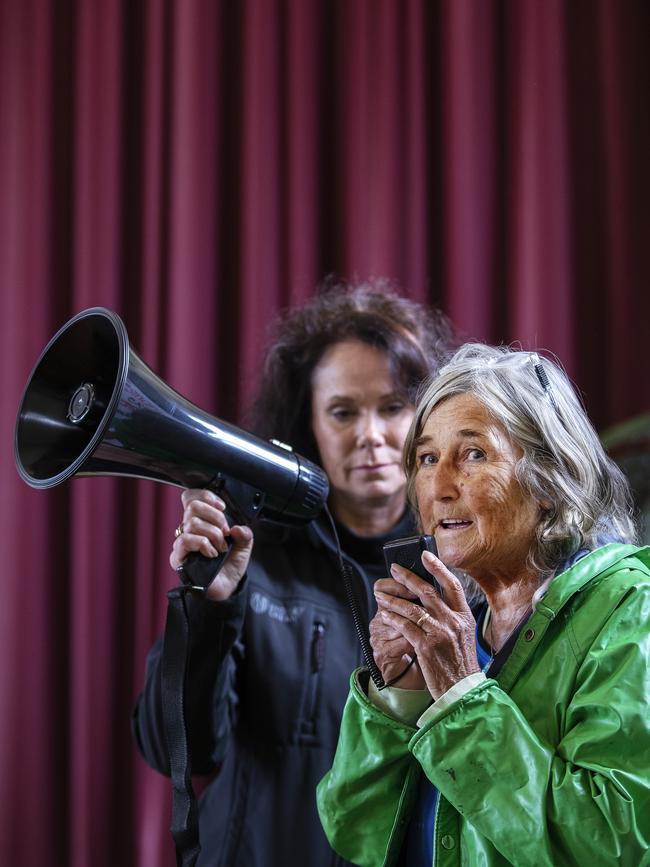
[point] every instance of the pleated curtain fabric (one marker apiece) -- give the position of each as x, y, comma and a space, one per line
200, 166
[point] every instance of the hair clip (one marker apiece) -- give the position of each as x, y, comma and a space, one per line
542, 376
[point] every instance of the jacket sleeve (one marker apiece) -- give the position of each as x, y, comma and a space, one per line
211, 702
364, 798
585, 800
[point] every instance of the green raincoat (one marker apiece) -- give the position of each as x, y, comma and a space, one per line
549, 764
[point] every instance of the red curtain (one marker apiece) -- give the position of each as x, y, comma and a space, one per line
199, 166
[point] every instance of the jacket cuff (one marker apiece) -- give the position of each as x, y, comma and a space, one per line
454, 693
403, 705
359, 687
204, 611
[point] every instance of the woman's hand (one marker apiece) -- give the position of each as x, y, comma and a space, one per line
393, 653
441, 630
204, 530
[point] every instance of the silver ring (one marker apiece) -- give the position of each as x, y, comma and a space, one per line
178, 531
422, 618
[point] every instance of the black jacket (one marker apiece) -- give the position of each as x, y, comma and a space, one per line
268, 679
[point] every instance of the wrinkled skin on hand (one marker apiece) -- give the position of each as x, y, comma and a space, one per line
205, 528
443, 642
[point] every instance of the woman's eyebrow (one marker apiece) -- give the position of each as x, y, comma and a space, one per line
464, 434
472, 434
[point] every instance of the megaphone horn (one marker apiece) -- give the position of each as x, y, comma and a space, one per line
92, 407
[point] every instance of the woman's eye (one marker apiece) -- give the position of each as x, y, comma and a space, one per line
475, 454
341, 414
427, 459
394, 408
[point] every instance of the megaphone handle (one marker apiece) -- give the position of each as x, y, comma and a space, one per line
198, 571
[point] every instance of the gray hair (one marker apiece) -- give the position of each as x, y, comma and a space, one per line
586, 498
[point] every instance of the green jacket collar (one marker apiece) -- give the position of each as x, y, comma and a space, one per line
560, 591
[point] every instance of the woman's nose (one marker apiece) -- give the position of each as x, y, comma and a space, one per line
444, 482
370, 433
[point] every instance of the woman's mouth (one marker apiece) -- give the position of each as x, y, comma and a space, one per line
371, 467
453, 524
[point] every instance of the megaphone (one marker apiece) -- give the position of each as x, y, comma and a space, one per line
92, 407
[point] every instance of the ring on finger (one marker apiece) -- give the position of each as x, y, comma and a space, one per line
423, 618
178, 531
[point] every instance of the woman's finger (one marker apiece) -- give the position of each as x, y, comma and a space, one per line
416, 629
202, 505
391, 651
202, 495
242, 544
406, 608
381, 632
201, 511
389, 585
188, 543
454, 593
203, 528
195, 526
390, 648
452, 590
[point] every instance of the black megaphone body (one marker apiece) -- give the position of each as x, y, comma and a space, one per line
92, 407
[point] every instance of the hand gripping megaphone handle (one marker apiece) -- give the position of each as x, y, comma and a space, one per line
242, 502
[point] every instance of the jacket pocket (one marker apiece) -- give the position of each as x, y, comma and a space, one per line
314, 679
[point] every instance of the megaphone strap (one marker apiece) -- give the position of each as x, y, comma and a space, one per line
175, 658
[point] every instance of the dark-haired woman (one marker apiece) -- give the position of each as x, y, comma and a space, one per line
274, 639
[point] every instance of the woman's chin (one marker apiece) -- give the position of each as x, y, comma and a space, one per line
452, 557
382, 489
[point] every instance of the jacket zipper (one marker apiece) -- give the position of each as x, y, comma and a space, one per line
316, 656
362, 588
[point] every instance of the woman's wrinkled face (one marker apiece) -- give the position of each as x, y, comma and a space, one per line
468, 495
360, 421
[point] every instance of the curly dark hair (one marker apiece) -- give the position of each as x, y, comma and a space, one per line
416, 339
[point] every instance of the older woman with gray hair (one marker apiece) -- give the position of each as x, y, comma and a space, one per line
518, 729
